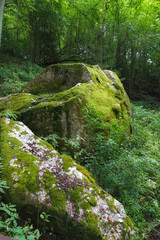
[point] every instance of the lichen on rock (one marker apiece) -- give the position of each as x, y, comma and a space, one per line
40, 178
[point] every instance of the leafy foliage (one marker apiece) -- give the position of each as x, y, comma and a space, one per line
126, 166
69, 146
8, 114
10, 226
15, 74
121, 35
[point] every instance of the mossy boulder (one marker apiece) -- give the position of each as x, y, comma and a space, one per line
40, 179
67, 89
58, 77
16, 102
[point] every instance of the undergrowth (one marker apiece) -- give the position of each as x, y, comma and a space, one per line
125, 166
128, 166
15, 74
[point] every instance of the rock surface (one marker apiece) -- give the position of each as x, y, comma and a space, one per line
68, 89
41, 179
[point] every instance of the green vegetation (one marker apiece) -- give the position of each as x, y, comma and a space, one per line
121, 35
9, 220
128, 166
15, 74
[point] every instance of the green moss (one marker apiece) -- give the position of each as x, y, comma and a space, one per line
45, 145
58, 199
128, 224
86, 173
100, 192
48, 180
76, 194
23, 133
92, 229
85, 205
90, 202
93, 202
67, 162
111, 205
10, 149
16, 102
8, 152
104, 224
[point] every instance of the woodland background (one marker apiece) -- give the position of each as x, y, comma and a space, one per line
121, 35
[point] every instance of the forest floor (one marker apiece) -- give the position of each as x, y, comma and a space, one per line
131, 167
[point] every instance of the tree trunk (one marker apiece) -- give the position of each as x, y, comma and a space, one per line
2, 2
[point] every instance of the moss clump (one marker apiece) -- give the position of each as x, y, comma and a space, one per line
100, 192
111, 205
48, 180
16, 102
128, 224
23, 133
46, 145
86, 173
90, 202
67, 162
58, 199
76, 194
93, 202
92, 229
85, 205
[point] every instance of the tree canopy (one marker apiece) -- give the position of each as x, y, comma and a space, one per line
121, 35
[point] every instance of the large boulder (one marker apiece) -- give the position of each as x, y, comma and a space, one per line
40, 179
16, 103
65, 90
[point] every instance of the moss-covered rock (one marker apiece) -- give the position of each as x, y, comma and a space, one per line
74, 87
41, 179
58, 77
16, 102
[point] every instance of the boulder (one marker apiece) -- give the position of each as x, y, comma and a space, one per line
66, 89
40, 179
15, 103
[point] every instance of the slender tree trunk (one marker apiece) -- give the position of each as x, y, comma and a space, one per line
17, 29
102, 31
2, 2
132, 70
